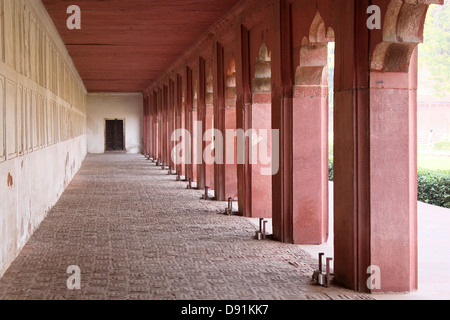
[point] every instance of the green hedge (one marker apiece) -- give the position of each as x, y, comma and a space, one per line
330, 169
433, 185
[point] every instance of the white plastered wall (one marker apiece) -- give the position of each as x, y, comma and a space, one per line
42, 122
110, 106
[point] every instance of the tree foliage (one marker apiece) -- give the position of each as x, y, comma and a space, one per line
435, 51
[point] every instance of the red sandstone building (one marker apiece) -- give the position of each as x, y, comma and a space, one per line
375, 102
251, 64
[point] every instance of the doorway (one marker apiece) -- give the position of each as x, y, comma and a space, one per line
114, 137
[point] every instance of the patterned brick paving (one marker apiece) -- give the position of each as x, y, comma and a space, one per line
136, 233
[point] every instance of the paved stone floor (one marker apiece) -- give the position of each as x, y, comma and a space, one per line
136, 233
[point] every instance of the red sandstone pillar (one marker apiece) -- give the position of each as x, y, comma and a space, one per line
166, 125
243, 103
219, 123
200, 144
172, 124
193, 128
188, 122
144, 137
147, 135
179, 116
155, 125
209, 126
310, 146
151, 137
160, 126
230, 173
261, 184
225, 119
253, 108
375, 169
282, 120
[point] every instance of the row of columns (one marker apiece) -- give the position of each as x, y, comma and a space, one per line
264, 66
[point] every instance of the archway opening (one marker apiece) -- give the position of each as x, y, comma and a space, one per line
313, 91
433, 148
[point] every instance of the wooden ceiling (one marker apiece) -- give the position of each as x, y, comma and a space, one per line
124, 45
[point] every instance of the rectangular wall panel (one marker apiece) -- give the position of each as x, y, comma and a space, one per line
26, 41
44, 121
11, 119
34, 120
20, 119
32, 49
18, 41
40, 120
28, 121
2, 120
55, 122
25, 120
2, 42
9, 32
61, 123
50, 122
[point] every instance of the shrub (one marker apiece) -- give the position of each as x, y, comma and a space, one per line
434, 187
330, 169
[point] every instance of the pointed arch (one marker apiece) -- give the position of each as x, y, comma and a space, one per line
263, 71
209, 86
230, 85
310, 137
318, 33
402, 32
314, 54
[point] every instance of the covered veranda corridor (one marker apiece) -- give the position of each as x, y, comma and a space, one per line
255, 68
136, 233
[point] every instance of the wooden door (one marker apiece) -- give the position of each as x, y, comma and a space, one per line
114, 135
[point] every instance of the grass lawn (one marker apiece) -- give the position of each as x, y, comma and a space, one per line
433, 162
